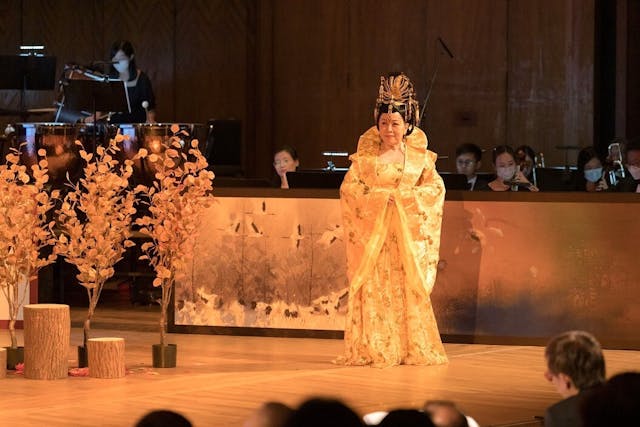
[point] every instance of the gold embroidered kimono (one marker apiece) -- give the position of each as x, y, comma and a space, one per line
392, 254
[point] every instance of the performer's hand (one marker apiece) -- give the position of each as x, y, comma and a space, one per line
520, 178
283, 181
391, 200
602, 185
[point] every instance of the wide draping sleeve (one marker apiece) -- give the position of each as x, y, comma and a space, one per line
419, 199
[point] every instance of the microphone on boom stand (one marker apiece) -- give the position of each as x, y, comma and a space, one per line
443, 49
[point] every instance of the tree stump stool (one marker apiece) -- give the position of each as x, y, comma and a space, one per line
3, 362
106, 357
47, 330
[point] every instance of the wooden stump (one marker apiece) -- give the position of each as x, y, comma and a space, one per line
3, 362
106, 357
47, 330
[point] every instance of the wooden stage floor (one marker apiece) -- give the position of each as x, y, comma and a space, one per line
221, 379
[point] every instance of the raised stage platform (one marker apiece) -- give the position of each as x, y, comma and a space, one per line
220, 380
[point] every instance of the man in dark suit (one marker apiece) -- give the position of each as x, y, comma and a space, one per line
575, 366
468, 163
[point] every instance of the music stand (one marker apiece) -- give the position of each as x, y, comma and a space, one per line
29, 72
94, 95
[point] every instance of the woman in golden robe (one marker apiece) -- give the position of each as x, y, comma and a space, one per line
392, 199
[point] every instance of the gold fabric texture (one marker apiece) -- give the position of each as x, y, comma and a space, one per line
392, 254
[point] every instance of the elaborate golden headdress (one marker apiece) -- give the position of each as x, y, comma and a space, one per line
396, 94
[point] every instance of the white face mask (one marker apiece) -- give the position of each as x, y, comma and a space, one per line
506, 173
122, 65
593, 175
634, 171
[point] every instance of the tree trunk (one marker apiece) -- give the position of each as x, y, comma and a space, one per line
86, 330
12, 333
47, 329
106, 357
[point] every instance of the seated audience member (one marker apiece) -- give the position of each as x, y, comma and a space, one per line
575, 366
617, 403
508, 174
285, 160
526, 158
632, 163
322, 413
444, 413
163, 418
468, 163
270, 414
590, 176
406, 418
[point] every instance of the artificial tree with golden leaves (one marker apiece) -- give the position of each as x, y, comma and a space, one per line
180, 193
25, 231
95, 220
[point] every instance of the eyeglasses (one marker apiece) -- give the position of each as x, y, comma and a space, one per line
465, 162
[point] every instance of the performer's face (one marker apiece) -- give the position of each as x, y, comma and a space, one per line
392, 128
283, 162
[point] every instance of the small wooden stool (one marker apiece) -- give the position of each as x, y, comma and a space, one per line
47, 330
106, 357
3, 362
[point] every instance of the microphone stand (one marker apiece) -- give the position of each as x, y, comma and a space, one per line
446, 50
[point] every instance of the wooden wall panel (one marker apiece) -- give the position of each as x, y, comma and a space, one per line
550, 87
468, 99
306, 72
384, 37
10, 38
310, 72
150, 26
211, 58
259, 136
632, 107
67, 29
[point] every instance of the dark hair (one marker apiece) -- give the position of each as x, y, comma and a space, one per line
501, 149
614, 404
578, 355
163, 418
633, 145
390, 108
585, 155
323, 412
289, 149
455, 417
406, 110
275, 412
406, 418
126, 47
527, 151
469, 148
